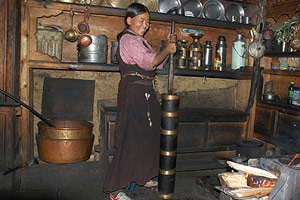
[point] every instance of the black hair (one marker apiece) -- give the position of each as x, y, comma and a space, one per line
133, 10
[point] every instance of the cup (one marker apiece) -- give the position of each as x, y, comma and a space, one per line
241, 19
247, 20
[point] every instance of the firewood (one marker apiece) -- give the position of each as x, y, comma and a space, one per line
251, 192
252, 170
233, 180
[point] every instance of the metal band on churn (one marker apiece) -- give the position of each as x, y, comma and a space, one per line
168, 146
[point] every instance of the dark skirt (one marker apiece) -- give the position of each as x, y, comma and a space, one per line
136, 157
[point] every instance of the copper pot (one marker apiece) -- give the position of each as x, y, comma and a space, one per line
83, 27
69, 141
85, 40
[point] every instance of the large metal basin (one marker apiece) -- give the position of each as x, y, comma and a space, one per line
69, 141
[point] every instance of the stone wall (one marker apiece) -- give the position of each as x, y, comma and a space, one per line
106, 87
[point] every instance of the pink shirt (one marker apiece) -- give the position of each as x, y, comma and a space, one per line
133, 51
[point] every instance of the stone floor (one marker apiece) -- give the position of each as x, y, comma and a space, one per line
83, 181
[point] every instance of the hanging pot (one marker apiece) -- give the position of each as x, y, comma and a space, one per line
83, 27
256, 49
85, 40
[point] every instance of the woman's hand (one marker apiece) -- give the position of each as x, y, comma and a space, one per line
171, 45
172, 37
169, 49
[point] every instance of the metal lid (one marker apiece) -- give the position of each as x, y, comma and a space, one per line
239, 36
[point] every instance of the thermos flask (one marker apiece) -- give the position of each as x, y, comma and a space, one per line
207, 60
238, 53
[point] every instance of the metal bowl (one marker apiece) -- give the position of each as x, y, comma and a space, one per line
213, 9
192, 8
165, 6
234, 10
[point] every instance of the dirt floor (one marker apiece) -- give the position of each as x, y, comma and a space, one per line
83, 181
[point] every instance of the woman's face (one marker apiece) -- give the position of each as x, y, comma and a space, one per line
139, 24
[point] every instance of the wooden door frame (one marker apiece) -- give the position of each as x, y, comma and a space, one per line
9, 75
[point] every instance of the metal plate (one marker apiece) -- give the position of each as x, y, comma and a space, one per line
192, 8
119, 4
166, 5
152, 5
213, 9
234, 9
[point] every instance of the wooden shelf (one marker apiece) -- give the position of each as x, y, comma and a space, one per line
239, 75
279, 141
281, 72
157, 16
283, 54
74, 66
283, 107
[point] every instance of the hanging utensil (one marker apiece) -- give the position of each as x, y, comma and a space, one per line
85, 40
71, 34
83, 27
29, 108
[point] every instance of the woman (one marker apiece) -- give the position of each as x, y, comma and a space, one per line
137, 131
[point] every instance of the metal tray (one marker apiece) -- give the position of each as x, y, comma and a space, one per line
165, 6
234, 9
192, 8
213, 9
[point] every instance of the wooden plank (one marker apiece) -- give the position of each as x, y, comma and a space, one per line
3, 39
224, 133
281, 72
6, 137
23, 122
264, 120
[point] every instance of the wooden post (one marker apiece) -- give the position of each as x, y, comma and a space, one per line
171, 67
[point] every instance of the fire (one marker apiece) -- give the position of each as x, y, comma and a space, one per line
259, 181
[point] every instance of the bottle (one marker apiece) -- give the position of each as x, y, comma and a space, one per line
217, 62
221, 49
296, 96
238, 58
207, 63
290, 93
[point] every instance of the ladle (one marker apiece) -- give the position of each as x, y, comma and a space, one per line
29, 108
71, 34
83, 27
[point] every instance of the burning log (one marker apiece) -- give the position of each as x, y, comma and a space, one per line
248, 182
259, 181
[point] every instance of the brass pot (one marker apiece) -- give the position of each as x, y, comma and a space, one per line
64, 150
71, 34
69, 141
